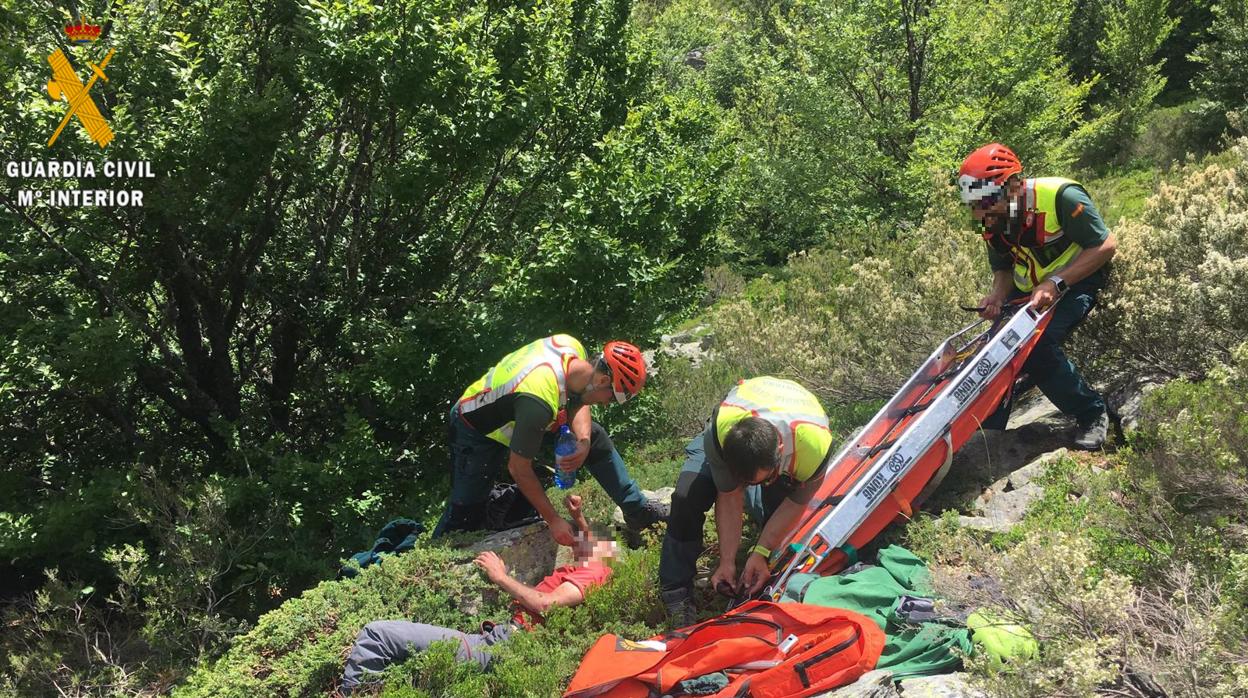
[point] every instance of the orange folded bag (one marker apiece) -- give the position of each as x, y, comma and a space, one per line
768, 650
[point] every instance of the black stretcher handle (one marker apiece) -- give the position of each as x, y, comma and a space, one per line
977, 309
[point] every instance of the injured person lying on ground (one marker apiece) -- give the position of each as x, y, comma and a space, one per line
383, 642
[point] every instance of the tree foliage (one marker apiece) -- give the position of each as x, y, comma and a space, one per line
1224, 75
838, 131
357, 207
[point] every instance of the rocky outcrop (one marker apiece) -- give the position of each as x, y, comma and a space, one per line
880, 684
1128, 401
693, 345
944, 686
1035, 428
696, 58
1002, 505
529, 551
873, 684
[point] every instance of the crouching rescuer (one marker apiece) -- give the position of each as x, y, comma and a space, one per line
765, 450
1046, 241
507, 415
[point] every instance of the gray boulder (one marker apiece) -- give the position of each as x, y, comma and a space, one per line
1004, 502
944, 686
1128, 400
873, 684
696, 58
529, 551
693, 345
1035, 428
1002, 512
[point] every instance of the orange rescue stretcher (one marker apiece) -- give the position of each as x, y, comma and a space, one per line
902, 454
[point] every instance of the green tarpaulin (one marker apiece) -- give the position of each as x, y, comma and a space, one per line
913, 649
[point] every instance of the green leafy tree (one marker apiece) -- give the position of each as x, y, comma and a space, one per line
1134, 32
841, 111
357, 207
1224, 75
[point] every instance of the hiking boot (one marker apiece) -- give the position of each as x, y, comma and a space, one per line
680, 609
1091, 436
652, 512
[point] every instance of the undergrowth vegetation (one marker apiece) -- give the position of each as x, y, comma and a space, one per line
299, 650
1130, 570
1176, 306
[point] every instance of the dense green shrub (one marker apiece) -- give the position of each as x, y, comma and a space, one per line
837, 131
358, 207
1133, 566
299, 649
1196, 442
1133, 32
849, 329
1176, 304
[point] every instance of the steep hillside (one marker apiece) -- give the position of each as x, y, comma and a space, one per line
1128, 566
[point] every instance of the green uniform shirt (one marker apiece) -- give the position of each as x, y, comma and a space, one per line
1084, 226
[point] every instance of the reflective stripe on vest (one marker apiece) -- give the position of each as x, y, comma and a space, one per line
786, 406
1040, 203
556, 352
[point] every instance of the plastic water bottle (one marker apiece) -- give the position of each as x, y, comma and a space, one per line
564, 447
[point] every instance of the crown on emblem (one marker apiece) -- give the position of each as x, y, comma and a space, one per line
82, 33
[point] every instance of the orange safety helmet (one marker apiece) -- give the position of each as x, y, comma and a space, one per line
984, 172
627, 367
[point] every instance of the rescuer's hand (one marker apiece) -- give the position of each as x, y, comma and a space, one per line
1042, 296
561, 531
991, 305
755, 574
725, 577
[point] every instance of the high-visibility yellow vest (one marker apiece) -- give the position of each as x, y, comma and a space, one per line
1042, 229
792, 410
538, 369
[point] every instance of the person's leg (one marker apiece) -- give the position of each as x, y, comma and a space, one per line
770, 496
755, 506
1053, 372
475, 465
682, 544
607, 466
1048, 367
384, 642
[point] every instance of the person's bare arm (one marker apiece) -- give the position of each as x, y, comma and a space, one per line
1086, 262
756, 572
581, 423
729, 515
566, 594
521, 470
1089, 260
1002, 286
572, 503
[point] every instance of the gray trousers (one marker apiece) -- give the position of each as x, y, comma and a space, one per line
383, 642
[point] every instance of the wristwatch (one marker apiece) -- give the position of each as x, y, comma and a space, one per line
1059, 282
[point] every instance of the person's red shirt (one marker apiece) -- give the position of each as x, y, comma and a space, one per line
585, 577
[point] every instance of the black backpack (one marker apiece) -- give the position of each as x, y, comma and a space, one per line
507, 507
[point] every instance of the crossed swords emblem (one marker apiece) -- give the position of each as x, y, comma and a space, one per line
65, 83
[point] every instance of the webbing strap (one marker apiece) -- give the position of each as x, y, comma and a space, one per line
851, 554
